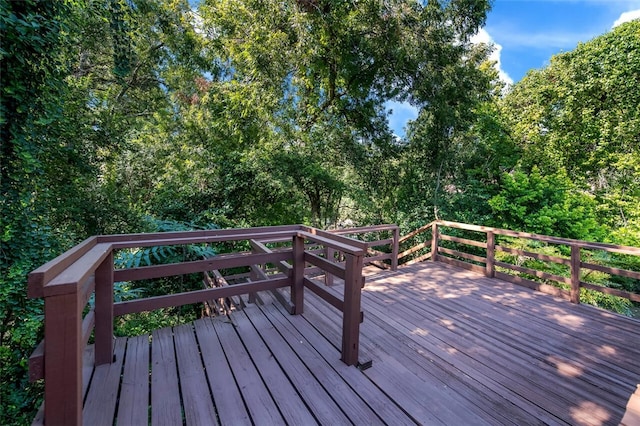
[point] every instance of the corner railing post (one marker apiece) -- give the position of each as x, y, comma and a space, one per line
353, 283
395, 249
575, 274
63, 354
104, 311
297, 278
434, 242
491, 254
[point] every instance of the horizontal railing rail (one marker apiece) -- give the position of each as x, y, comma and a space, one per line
485, 254
67, 283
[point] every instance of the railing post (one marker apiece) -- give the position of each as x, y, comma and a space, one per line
575, 273
63, 354
395, 249
329, 254
104, 311
434, 242
491, 254
353, 283
297, 278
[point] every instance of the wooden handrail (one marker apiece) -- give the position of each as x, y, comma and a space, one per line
575, 263
66, 283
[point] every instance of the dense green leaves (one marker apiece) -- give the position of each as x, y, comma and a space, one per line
147, 115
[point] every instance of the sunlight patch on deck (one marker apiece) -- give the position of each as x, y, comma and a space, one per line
595, 412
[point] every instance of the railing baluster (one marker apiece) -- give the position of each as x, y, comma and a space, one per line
297, 279
104, 311
63, 354
395, 249
353, 281
434, 242
491, 250
575, 274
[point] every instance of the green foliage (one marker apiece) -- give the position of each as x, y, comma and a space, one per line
549, 205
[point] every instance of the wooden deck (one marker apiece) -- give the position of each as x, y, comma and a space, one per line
448, 347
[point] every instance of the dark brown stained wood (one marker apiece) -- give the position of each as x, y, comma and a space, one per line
614, 271
259, 402
353, 283
71, 278
414, 249
426, 228
386, 409
293, 408
325, 294
534, 272
63, 351
165, 395
338, 242
547, 258
297, 275
533, 285
465, 344
346, 397
319, 402
87, 368
586, 347
490, 268
38, 278
133, 408
615, 292
407, 381
419, 259
198, 296
36, 363
196, 398
461, 264
104, 310
191, 237
465, 241
262, 230
327, 265
461, 254
210, 264
227, 397
363, 229
100, 404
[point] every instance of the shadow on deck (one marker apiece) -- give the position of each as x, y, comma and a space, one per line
448, 347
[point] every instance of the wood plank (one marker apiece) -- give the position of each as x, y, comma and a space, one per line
324, 408
257, 398
291, 406
100, 405
415, 369
508, 337
226, 395
345, 396
165, 396
133, 408
196, 397
540, 386
385, 408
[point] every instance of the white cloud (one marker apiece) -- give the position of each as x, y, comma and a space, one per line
626, 17
483, 37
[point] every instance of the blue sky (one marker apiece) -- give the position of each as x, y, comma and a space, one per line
526, 33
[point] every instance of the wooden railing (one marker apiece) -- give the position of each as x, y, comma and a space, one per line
68, 282
486, 248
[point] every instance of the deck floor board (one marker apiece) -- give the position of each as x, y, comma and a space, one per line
448, 347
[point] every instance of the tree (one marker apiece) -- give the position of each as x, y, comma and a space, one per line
582, 114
